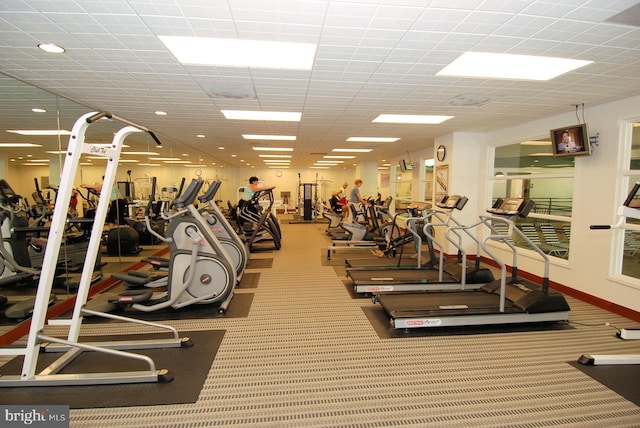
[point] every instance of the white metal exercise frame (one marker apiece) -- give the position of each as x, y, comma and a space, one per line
37, 341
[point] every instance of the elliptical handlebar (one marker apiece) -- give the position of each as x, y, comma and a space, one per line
190, 194
104, 114
211, 191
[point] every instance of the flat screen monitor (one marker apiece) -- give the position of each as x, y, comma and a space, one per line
405, 165
571, 141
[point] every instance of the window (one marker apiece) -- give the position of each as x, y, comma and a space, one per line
528, 170
630, 265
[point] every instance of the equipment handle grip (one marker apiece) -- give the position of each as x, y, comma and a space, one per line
600, 226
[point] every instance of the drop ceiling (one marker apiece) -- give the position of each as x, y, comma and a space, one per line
373, 57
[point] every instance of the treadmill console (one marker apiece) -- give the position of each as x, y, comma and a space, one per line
416, 208
511, 207
452, 202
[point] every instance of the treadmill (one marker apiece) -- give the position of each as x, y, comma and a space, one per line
375, 279
504, 301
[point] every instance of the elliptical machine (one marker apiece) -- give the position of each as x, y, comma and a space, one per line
263, 225
218, 223
200, 270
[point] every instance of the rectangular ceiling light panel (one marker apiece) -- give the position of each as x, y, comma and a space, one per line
509, 66
241, 53
276, 116
411, 118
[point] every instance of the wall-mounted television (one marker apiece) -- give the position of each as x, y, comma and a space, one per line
571, 141
405, 165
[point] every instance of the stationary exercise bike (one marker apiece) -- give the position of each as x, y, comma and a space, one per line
629, 209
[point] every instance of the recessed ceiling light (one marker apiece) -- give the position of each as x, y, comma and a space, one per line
273, 149
509, 66
51, 48
269, 137
352, 150
373, 139
39, 131
241, 53
411, 118
282, 116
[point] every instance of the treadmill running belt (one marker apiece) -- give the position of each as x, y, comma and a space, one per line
442, 304
396, 276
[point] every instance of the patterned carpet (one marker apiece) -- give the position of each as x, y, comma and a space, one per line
307, 356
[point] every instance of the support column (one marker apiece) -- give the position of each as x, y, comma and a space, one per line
368, 173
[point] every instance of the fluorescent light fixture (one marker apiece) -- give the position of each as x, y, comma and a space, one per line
318, 167
411, 118
166, 159
38, 110
51, 48
373, 139
326, 164
38, 160
195, 166
352, 150
241, 53
279, 167
141, 153
39, 131
149, 164
510, 66
160, 113
56, 152
269, 137
276, 116
128, 161
330, 161
275, 162
273, 149
177, 161
274, 156
35, 164
338, 157
19, 145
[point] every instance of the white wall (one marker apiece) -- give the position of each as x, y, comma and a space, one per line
597, 194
